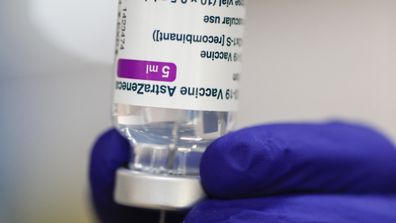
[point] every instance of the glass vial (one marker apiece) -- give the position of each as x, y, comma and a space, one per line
177, 69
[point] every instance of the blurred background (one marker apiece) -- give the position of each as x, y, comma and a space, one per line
305, 60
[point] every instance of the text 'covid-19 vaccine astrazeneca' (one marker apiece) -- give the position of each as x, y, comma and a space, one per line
177, 68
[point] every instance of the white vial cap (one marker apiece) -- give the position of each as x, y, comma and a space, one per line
163, 192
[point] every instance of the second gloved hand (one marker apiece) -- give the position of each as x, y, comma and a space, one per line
331, 172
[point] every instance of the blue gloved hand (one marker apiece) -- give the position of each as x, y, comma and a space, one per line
282, 173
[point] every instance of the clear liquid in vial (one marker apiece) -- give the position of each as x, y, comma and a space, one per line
169, 141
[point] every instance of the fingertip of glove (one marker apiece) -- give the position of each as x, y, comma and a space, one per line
110, 151
111, 148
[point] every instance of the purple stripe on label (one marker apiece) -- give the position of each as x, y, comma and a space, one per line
147, 70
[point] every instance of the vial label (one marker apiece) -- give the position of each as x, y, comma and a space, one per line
179, 54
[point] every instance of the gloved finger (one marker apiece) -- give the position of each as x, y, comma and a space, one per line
298, 209
110, 152
288, 158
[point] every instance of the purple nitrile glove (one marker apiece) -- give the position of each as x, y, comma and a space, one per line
282, 173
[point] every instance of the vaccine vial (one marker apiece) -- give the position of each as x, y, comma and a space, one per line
177, 68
